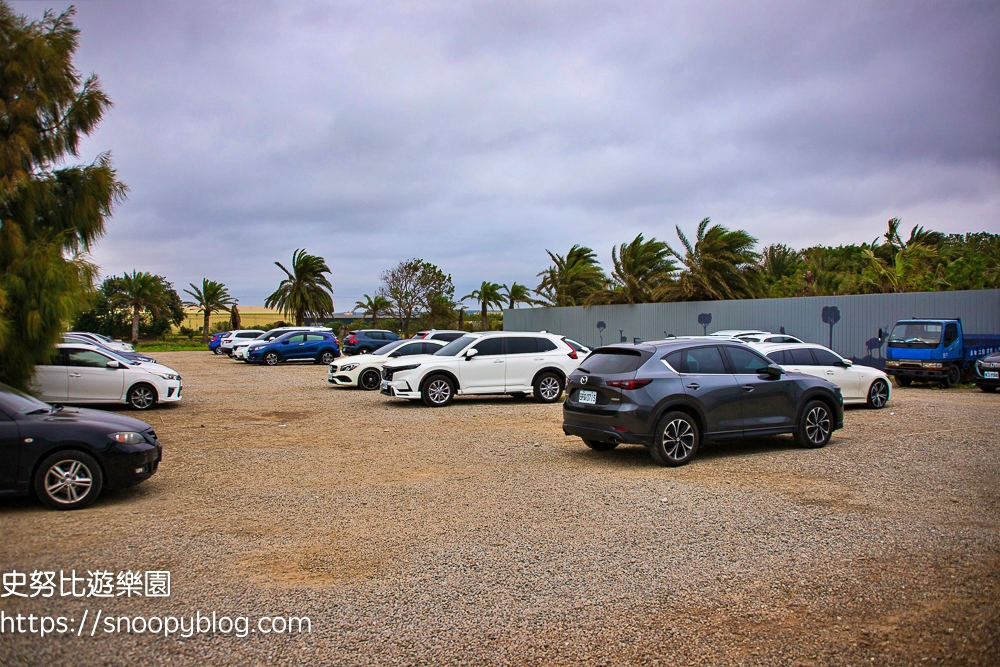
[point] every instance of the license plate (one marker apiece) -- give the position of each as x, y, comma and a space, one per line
385, 385
588, 397
991, 375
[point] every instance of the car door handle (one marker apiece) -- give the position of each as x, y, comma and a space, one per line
498, 361
74, 375
829, 372
747, 387
694, 385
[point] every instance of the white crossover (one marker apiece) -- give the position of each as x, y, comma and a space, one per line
859, 384
497, 362
234, 337
85, 374
365, 370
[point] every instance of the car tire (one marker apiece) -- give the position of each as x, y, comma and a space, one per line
904, 382
68, 480
878, 394
676, 439
988, 388
600, 446
217, 350
364, 350
141, 396
370, 379
815, 426
953, 377
438, 391
271, 359
326, 357
547, 388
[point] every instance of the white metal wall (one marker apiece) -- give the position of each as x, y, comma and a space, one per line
855, 319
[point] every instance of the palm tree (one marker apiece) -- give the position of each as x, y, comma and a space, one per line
140, 292
642, 269
212, 297
571, 279
778, 260
487, 295
306, 291
721, 264
518, 293
374, 306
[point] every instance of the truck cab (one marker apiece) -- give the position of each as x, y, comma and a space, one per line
932, 350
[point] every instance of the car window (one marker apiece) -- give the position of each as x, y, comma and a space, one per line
699, 360
409, 350
87, 359
825, 357
455, 346
58, 359
448, 336
613, 360
315, 337
746, 362
489, 346
801, 357
250, 334
388, 335
297, 338
519, 345
573, 344
430, 348
950, 334
545, 345
375, 335
778, 357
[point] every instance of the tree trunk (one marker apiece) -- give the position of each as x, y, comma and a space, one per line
461, 319
374, 320
135, 324
483, 319
204, 330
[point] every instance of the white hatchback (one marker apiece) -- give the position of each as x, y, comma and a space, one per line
85, 374
859, 384
365, 370
497, 362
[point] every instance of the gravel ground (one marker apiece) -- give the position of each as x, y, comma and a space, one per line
480, 534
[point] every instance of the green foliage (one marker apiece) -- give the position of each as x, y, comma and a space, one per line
488, 294
306, 291
108, 314
642, 269
416, 286
721, 264
571, 279
50, 213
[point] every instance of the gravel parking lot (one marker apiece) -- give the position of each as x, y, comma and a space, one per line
479, 534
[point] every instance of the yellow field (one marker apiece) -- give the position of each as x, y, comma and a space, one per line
250, 316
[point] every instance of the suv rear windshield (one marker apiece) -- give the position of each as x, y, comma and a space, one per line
614, 360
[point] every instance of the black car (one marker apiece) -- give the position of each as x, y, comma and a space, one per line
65, 456
987, 373
672, 395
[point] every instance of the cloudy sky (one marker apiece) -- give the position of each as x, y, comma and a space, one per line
476, 135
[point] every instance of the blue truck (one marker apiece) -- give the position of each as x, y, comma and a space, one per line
932, 350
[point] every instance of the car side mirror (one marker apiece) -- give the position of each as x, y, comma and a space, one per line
774, 371
284, 342
846, 363
471, 353
113, 365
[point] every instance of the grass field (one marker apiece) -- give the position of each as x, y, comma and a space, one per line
172, 346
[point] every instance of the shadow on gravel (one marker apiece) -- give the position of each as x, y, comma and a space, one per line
109, 498
632, 456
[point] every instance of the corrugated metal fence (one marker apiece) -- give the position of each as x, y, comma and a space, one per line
847, 324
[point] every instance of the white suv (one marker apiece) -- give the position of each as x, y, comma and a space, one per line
233, 337
497, 362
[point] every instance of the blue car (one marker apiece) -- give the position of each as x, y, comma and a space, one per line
216, 340
316, 346
367, 341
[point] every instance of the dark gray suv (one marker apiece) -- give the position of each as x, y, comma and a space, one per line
672, 395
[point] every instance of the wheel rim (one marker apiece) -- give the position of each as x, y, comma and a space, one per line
370, 380
271, 359
817, 425
678, 439
438, 391
68, 481
879, 394
364, 350
327, 358
142, 397
549, 388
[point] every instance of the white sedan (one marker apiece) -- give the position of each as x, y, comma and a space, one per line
365, 370
859, 384
85, 374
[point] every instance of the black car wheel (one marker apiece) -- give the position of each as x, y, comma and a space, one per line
600, 446
68, 480
904, 382
954, 376
327, 357
141, 397
364, 350
218, 350
271, 358
438, 391
548, 388
816, 425
370, 379
676, 439
878, 395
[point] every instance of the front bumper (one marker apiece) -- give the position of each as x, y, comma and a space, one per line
172, 392
343, 378
917, 374
399, 388
127, 465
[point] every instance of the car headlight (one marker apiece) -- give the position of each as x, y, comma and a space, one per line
400, 369
892, 363
128, 437
932, 364
348, 367
168, 376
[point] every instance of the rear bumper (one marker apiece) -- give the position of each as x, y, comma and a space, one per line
624, 425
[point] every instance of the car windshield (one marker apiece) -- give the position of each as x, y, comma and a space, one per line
112, 353
927, 333
14, 400
455, 346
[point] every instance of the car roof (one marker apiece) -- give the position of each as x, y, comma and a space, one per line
737, 332
771, 347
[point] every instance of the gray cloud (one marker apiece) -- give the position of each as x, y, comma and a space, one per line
478, 135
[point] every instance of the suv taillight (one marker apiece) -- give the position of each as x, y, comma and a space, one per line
352, 340
573, 354
628, 384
